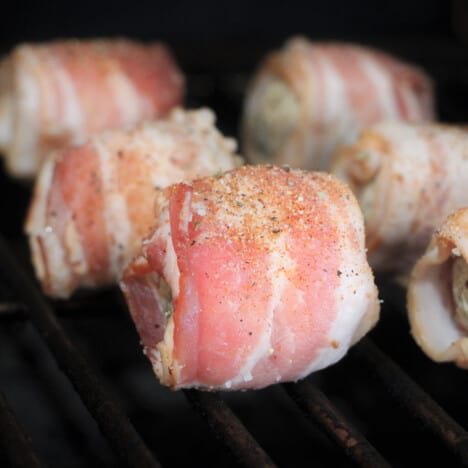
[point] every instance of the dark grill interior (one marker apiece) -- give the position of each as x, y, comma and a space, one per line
76, 390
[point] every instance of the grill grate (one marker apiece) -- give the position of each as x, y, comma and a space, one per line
413, 398
15, 444
224, 423
99, 401
342, 416
317, 406
125, 441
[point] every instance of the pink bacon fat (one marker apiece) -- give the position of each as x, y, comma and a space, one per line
251, 278
94, 203
308, 98
407, 179
438, 293
60, 92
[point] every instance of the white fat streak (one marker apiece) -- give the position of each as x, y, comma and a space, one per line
115, 213
333, 113
75, 251
61, 277
413, 104
22, 156
7, 103
126, 97
37, 217
382, 81
72, 119
279, 261
186, 213
355, 297
335, 90
52, 257
171, 268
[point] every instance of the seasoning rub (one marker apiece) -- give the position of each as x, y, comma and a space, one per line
94, 203
268, 279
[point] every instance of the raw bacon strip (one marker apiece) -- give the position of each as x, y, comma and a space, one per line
438, 293
94, 203
407, 180
60, 92
308, 98
251, 278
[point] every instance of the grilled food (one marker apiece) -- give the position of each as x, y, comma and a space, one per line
60, 92
94, 203
308, 98
438, 293
407, 178
251, 278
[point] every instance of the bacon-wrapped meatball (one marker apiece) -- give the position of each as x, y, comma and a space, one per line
308, 98
60, 92
94, 203
251, 278
407, 179
438, 293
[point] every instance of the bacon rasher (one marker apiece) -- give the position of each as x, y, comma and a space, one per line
438, 293
94, 203
407, 179
308, 98
251, 278
60, 92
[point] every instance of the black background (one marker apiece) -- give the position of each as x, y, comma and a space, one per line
240, 20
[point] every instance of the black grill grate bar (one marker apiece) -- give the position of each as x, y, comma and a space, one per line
96, 302
11, 309
230, 429
413, 398
106, 410
15, 443
314, 403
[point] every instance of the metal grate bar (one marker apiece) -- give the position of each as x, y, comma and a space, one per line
230, 429
413, 398
95, 302
8, 309
101, 404
318, 407
16, 445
